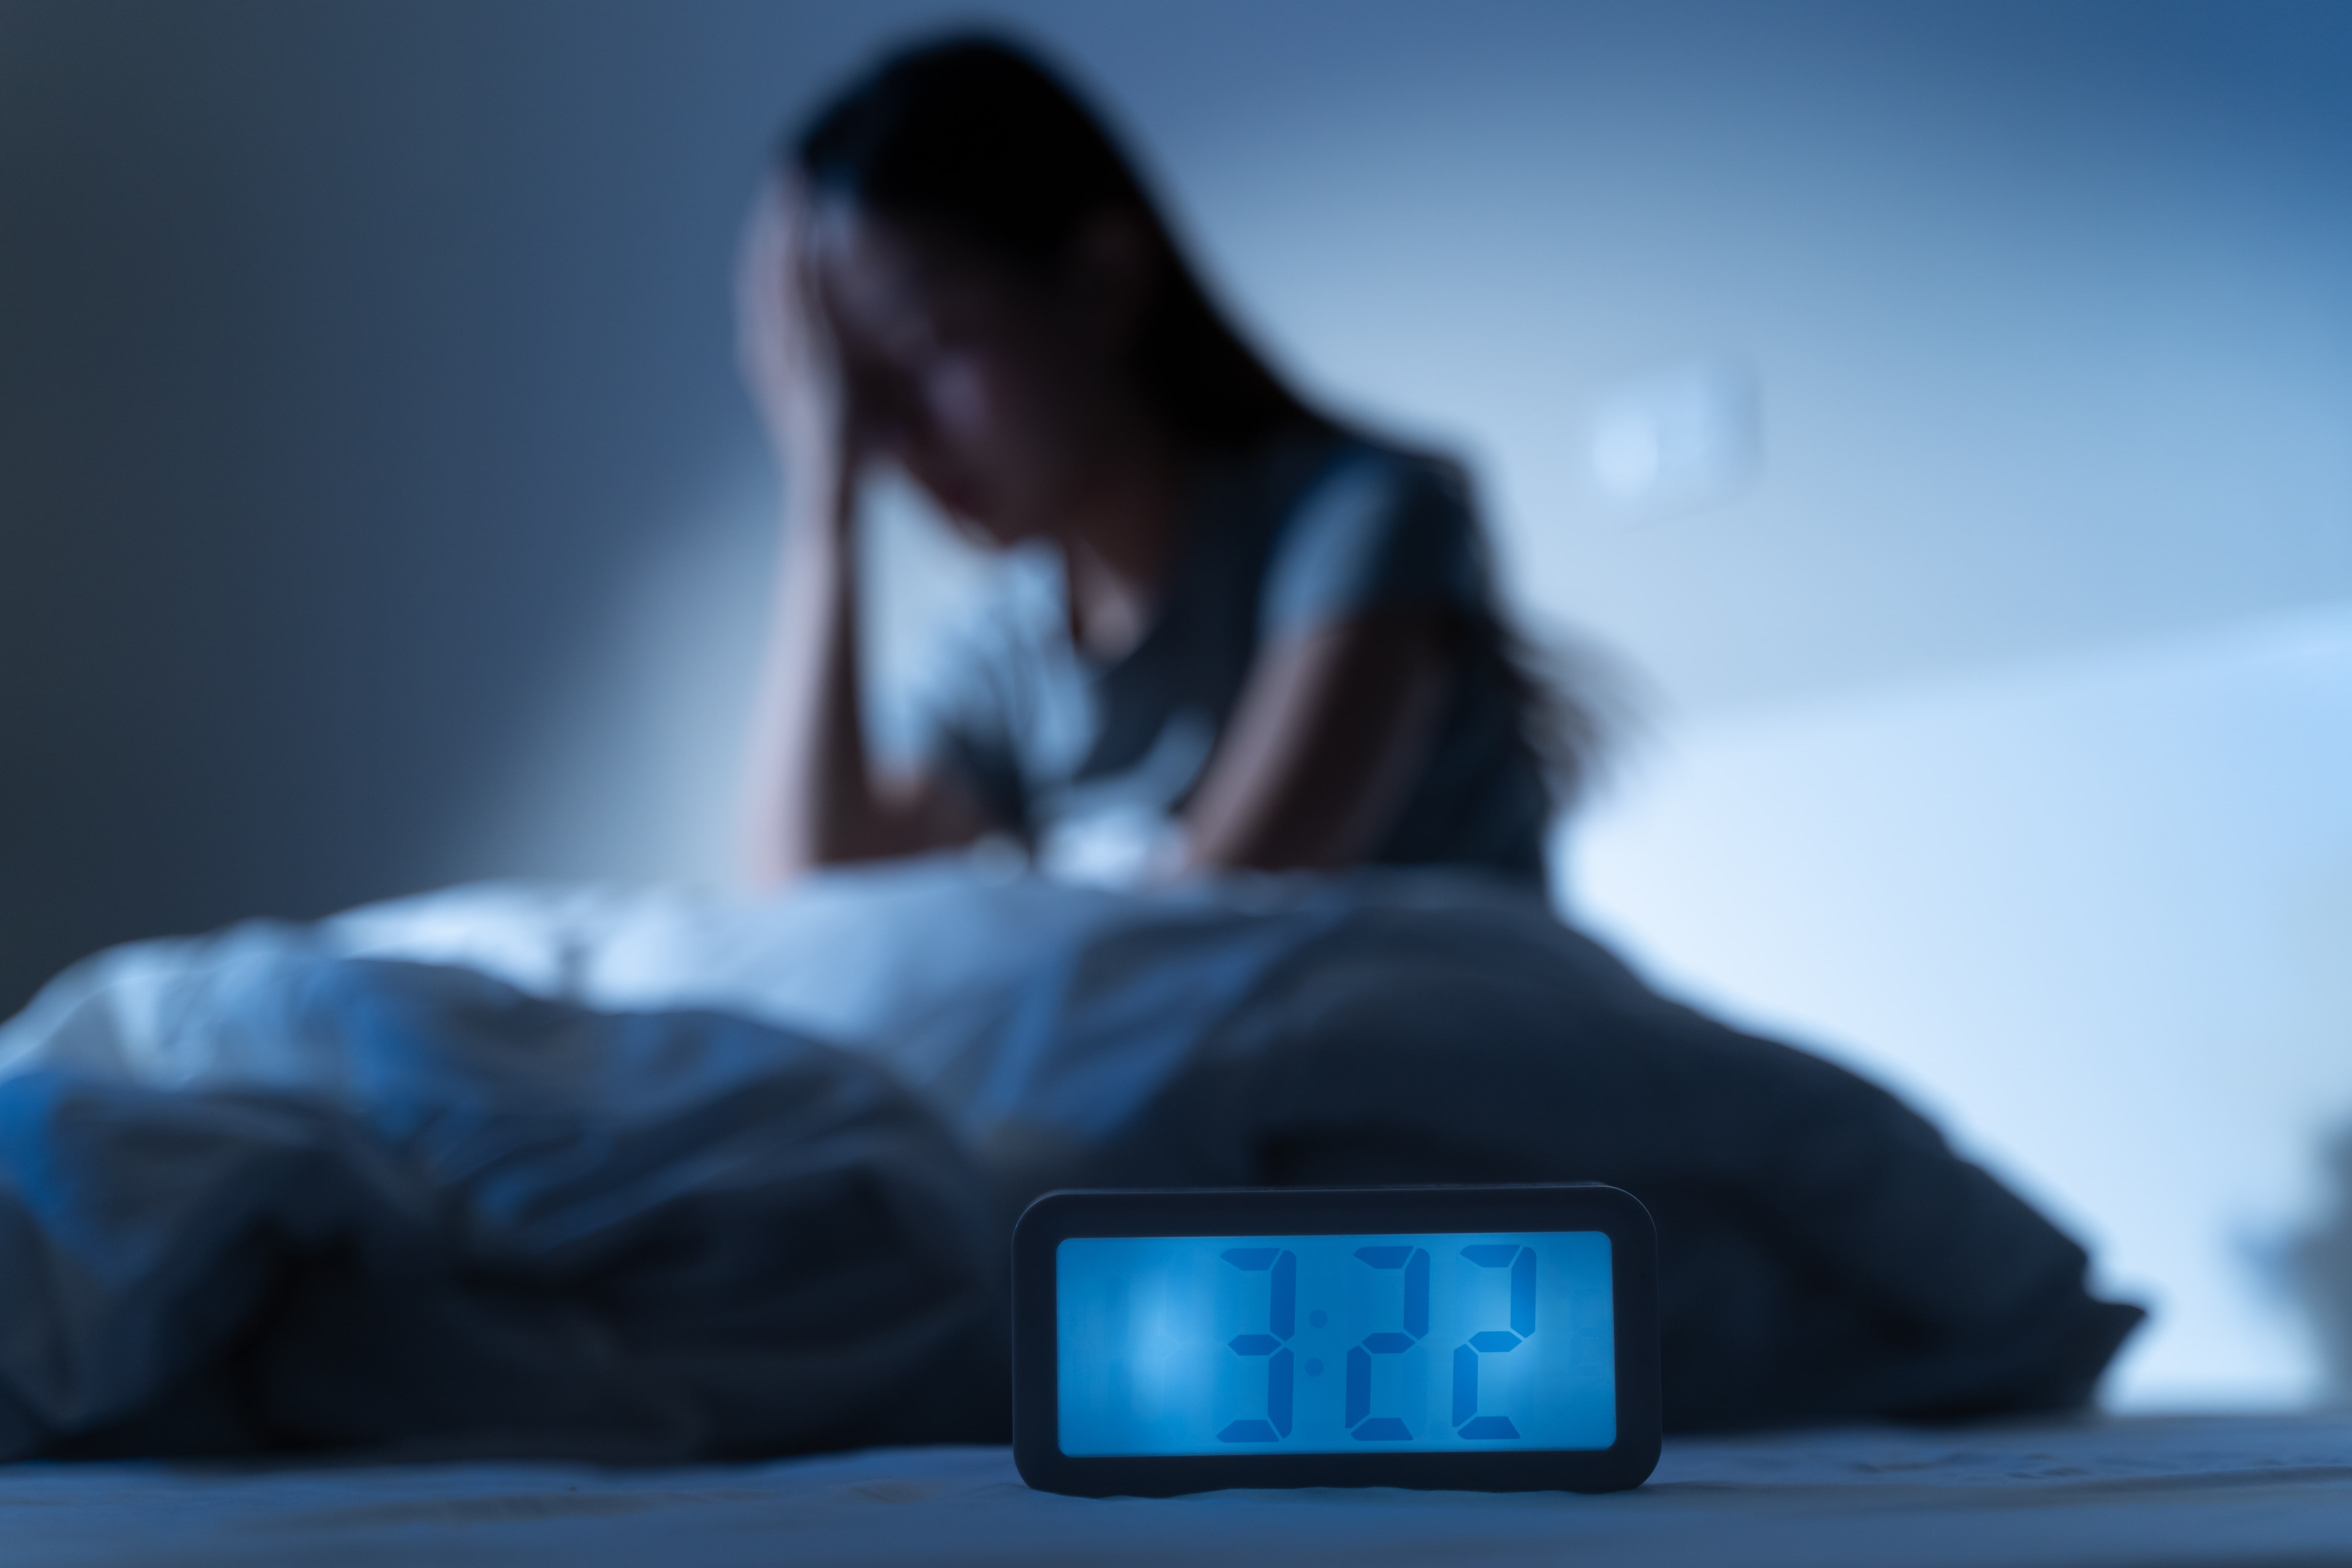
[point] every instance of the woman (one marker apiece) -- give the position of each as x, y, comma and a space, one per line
1271, 642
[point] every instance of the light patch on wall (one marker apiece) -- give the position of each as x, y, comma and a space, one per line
635, 774
1678, 439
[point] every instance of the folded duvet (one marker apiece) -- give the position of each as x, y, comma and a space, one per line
646, 1174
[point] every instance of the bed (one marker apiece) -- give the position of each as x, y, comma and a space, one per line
2247, 1492
631, 1177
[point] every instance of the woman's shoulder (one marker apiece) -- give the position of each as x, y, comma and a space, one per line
1376, 522
1303, 466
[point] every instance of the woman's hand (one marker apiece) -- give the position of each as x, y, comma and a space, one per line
785, 344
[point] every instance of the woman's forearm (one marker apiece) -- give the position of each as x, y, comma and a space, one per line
812, 794
1331, 732
812, 797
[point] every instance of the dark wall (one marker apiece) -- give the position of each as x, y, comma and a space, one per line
347, 353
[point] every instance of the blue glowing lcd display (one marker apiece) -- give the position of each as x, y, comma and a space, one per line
1325, 1344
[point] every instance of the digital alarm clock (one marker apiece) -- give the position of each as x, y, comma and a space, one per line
1487, 1338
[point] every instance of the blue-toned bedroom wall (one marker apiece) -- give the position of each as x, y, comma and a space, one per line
377, 508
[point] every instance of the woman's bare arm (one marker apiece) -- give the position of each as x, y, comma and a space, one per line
1332, 729
815, 797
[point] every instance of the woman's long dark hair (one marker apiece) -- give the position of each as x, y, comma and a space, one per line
973, 134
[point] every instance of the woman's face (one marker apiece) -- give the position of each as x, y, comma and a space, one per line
997, 390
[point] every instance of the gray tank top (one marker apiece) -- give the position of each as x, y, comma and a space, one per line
1090, 762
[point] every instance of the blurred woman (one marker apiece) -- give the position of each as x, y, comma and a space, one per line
1264, 640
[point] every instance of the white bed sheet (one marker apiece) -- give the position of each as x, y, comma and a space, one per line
2249, 1491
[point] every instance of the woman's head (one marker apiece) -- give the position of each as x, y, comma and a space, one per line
1006, 296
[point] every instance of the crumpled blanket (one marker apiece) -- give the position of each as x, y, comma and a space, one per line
652, 1175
